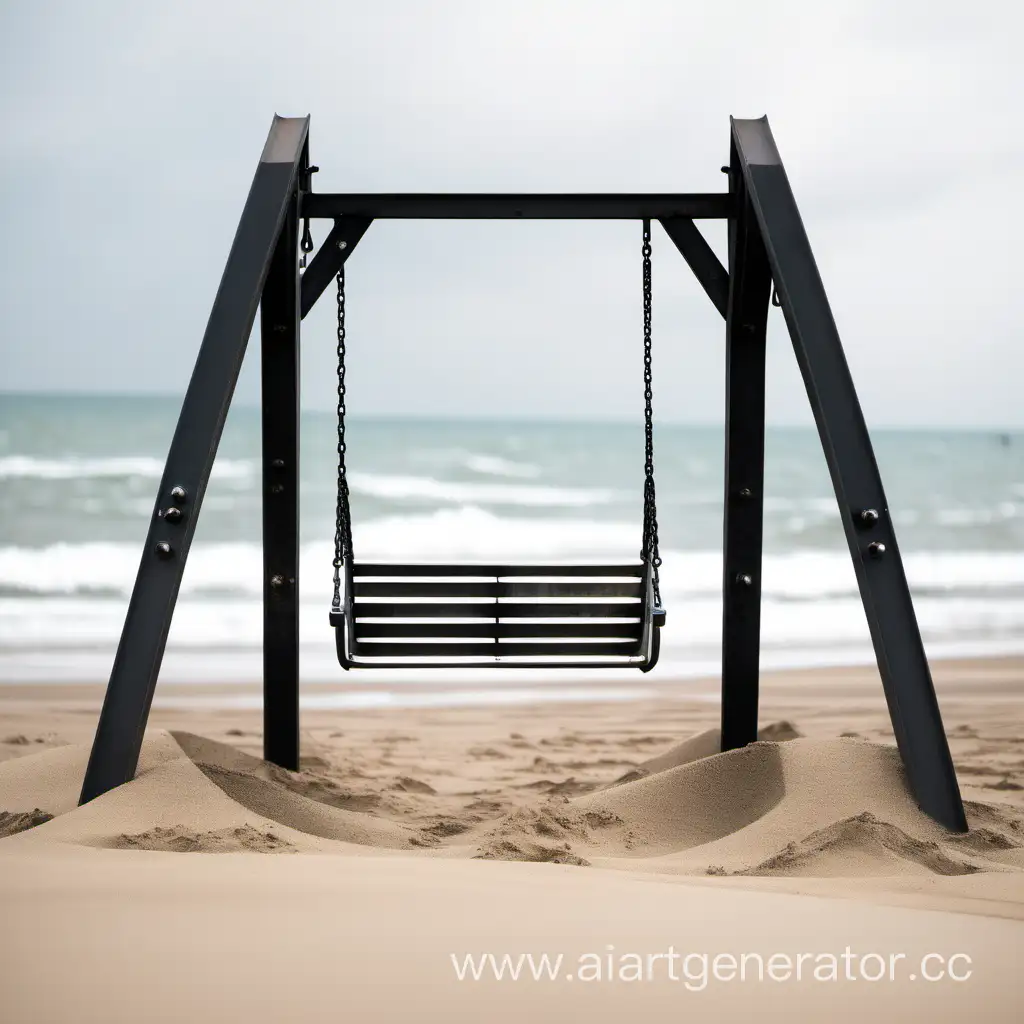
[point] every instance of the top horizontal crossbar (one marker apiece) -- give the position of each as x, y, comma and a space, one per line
511, 206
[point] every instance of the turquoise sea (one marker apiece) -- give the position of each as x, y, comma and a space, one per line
78, 478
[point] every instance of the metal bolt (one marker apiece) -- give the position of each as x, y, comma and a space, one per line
164, 551
876, 550
726, 170
277, 581
172, 514
343, 245
178, 494
278, 463
744, 580
276, 488
868, 517
746, 492
280, 328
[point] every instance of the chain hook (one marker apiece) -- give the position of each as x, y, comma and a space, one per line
776, 301
307, 243
306, 185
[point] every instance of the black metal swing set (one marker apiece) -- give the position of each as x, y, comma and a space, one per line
537, 616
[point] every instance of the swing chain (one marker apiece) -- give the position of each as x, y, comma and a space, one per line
650, 537
343, 520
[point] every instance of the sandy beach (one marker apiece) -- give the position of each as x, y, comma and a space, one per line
610, 833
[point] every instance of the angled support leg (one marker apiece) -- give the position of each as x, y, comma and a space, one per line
902, 663
279, 348
749, 288
115, 751
713, 277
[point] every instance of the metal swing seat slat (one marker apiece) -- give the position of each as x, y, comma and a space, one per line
445, 615
513, 621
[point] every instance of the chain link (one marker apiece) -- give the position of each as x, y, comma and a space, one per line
650, 538
343, 518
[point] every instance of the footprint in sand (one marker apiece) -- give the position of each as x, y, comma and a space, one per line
488, 753
409, 785
181, 839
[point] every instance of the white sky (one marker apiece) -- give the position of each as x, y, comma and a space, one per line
132, 131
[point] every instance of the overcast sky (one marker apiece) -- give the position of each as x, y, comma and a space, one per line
132, 131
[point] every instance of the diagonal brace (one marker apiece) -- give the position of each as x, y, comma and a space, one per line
713, 277
331, 257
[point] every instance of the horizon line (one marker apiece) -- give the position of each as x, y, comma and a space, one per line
548, 418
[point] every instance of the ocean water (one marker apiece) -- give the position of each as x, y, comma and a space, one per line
78, 478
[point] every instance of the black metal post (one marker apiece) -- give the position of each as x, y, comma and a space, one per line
115, 750
902, 663
279, 343
746, 321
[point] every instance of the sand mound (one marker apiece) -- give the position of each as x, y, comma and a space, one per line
279, 804
825, 807
318, 780
777, 732
760, 798
678, 809
693, 748
195, 788
224, 840
802, 807
871, 846
703, 744
12, 822
314, 805
799, 808
53, 778
695, 803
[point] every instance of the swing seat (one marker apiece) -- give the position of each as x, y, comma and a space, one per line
514, 616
